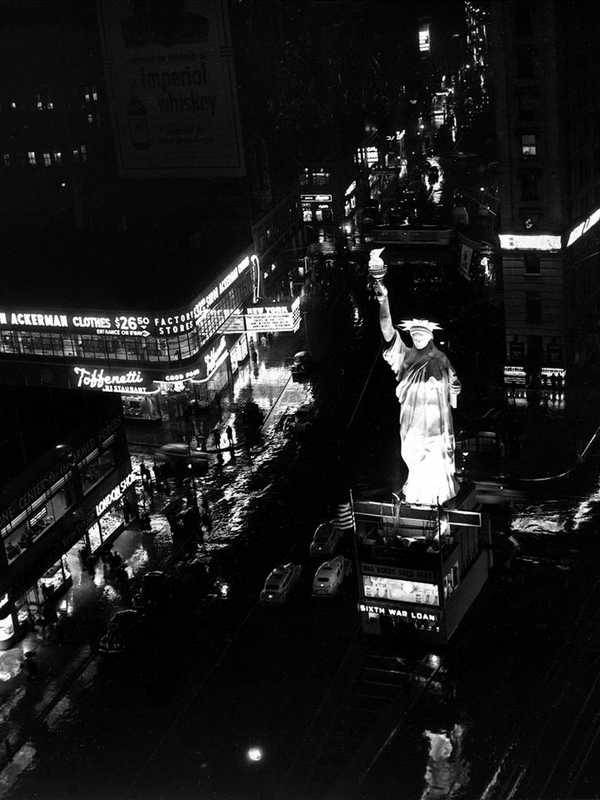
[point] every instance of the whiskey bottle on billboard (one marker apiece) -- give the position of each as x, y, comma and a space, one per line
139, 130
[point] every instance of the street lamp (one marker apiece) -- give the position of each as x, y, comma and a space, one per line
254, 754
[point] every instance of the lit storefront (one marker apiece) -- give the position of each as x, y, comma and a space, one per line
317, 208
126, 353
81, 492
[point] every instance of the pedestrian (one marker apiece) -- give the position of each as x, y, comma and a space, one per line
217, 438
229, 432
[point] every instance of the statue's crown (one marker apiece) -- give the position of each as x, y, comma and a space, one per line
423, 324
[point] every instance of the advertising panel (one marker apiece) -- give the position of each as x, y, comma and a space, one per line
422, 618
172, 86
267, 319
123, 324
130, 381
383, 588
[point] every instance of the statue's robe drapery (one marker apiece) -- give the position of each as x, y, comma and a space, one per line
427, 386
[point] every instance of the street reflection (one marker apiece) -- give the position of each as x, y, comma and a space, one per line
446, 772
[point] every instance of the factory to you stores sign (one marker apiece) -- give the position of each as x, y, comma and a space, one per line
173, 89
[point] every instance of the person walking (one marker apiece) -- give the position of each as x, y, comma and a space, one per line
229, 432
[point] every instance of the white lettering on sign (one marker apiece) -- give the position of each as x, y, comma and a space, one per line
91, 322
37, 320
421, 616
183, 376
213, 356
126, 382
115, 494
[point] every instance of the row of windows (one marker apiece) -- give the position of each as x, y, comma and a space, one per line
44, 159
42, 101
45, 511
160, 349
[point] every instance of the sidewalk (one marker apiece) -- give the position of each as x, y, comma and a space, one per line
84, 610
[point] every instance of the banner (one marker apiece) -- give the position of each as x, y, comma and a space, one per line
170, 76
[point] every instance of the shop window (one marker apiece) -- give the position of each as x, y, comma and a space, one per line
38, 520
528, 144
6, 159
532, 263
57, 155
54, 580
533, 308
31, 158
94, 537
111, 520
97, 469
47, 160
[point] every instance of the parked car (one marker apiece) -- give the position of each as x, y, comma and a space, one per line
329, 577
156, 592
302, 365
123, 634
176, 458
280, 583
325, 539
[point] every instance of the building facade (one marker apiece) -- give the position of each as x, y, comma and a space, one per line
140, 353
77, 494
525, 49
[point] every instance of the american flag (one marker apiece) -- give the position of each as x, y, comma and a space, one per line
344, 518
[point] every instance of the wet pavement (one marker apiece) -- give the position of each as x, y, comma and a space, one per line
295, 685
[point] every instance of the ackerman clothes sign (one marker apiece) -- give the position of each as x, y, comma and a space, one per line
173, 89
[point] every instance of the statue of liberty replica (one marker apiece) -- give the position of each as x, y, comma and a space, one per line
427, 389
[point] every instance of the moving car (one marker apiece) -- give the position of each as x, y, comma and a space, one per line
302, 365
329, 577
280, 583
123, 634
180, 459
325, 539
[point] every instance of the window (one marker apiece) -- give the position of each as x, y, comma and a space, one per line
525, 62
13, 105
529, 186
424, 40
533, 308
6, 159
57, 157
528, 144
532, 263
50, 105
94, 94
91, 119
47, 159
38, 102
31, 158
528, 106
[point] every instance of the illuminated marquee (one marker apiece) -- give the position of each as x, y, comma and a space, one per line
115, 494
27, 319
316, 198
267, 319
538, 241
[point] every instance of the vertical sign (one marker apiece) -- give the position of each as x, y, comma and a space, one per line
466, 254
170, 76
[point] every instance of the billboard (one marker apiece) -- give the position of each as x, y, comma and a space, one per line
172, 89
402, 591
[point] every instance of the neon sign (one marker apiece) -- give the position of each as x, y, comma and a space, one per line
538, 241
130, 325
115, 494
213, 356
124, 383
583, 227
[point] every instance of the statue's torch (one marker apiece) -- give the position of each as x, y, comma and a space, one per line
377, 269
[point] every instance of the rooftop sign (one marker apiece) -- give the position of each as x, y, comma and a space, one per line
104, 323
